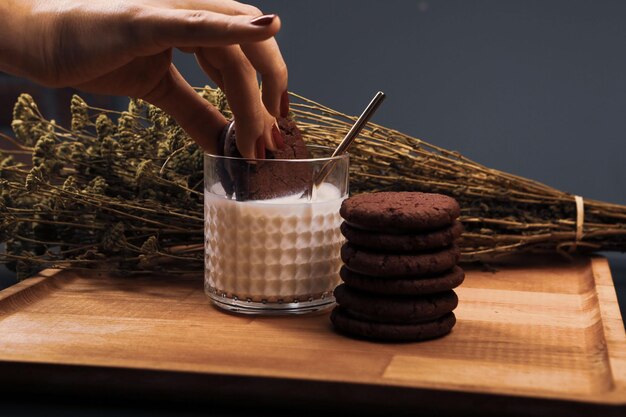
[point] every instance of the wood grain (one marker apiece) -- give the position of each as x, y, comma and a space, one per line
537, 328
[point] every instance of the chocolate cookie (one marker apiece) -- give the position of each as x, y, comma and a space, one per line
400, 211
260, 180
347, 324
375, 264
388, 242
429, 284
395, 309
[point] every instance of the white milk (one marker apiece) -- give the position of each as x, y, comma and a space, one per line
277, 250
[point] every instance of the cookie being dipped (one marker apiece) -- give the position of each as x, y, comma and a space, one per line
256, 180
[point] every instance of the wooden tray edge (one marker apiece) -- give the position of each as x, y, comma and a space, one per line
613, 326
71, 382
25, 291
615, 399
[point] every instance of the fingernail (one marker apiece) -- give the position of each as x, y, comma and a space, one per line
278, 137
260, 148
284, 104
264, 20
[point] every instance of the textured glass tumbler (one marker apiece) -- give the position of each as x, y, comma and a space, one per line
272, 238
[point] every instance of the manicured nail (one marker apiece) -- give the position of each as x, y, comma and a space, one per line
264, 20
278, 137
284, 104
260, 148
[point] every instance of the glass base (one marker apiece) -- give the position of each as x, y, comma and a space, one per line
271, 309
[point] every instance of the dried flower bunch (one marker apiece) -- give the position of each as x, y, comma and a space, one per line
95, 195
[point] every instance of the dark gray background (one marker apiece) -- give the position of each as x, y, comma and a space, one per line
536, 88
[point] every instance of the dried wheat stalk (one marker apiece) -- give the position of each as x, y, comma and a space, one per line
94, 191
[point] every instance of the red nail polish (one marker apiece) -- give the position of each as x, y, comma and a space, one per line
284, 104
260, 148
264, 20
278, 137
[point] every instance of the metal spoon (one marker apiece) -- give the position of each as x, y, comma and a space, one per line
350, 136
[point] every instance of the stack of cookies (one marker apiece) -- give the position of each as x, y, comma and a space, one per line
400, 266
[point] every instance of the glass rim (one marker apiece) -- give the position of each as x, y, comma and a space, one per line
345, 155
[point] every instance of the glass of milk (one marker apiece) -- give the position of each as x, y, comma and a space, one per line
275, 252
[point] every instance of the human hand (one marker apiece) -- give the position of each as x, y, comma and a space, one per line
124, 47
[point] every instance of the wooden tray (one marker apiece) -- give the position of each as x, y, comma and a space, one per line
536, 336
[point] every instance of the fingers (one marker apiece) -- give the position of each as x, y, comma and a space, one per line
268, 61
213, 73
265, 55
244, 21
214, 29
253, 122
158, 29
196, 116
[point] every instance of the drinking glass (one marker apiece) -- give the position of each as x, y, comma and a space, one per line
275, 251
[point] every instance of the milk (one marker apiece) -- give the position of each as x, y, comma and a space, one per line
272, 251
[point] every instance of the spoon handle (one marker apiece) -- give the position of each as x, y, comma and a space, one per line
360, 123
350, 136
